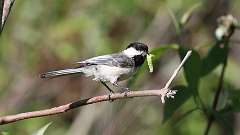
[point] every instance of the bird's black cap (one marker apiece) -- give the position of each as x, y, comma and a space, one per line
138, 46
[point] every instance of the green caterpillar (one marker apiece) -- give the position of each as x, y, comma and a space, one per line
149, 61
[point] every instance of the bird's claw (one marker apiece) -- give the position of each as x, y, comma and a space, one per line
109, 97
125, 91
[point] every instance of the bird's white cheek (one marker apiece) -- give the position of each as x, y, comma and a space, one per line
130, 52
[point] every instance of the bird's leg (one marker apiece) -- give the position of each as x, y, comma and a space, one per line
109, 89
123, 89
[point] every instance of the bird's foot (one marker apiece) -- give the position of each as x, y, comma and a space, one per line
125, 91
109, 96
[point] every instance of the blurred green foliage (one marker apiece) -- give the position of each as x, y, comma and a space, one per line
42, 130
43, 35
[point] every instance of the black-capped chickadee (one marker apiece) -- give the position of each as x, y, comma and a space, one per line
108, 68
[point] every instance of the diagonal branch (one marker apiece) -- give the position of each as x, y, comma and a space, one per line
1, 10
164, 92
6, 6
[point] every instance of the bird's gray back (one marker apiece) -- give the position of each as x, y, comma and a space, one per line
117, 60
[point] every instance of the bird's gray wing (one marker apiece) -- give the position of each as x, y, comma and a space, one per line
118, 60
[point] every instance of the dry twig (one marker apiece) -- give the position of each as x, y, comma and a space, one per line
164, 92
5, 8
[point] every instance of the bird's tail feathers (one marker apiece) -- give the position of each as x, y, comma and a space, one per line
57, 73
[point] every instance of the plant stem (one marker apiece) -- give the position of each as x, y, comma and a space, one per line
217, 94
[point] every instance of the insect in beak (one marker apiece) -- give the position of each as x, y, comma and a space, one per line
149, 61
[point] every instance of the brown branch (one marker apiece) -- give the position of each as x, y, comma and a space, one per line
66, 107
5, 11
164, 92
1, 11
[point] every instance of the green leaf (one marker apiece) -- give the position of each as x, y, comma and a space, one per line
216, 56
176, 22
192, 69
225, 116
4, 133
187, 15
225, 121
171, 105
157, 52
42, 130
237, 25
234, 100
187, 113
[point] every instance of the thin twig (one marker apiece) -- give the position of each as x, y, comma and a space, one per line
216, 97
164, 92
1, 11
7, 6
229, 24
178, 69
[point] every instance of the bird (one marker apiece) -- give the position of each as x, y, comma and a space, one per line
110, 68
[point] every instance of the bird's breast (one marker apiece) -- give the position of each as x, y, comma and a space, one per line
109, 73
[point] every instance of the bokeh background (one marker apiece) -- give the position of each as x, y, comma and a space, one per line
42, 35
